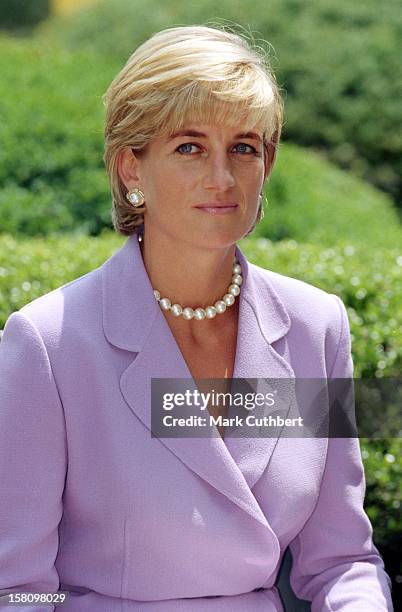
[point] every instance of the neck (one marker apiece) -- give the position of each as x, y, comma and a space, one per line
190, 276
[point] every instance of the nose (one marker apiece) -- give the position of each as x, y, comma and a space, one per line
219, 172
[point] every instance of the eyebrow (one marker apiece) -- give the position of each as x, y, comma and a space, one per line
194, 133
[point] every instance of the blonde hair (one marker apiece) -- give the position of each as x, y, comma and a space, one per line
179, 75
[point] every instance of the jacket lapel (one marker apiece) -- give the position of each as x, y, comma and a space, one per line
134, 322
262, 320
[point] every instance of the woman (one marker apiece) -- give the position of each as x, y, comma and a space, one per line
123, 520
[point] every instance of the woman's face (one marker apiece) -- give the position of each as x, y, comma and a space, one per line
199, 165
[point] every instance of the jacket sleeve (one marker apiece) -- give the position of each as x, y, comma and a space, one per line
335, 563
32, 465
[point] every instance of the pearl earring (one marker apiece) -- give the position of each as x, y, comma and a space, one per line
135, 197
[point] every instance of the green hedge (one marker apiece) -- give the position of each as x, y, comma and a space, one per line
311, 201
338, 62
53, 178
17, 15
383, 469
369, 283
51, 168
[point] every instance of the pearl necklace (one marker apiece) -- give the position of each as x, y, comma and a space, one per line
210, 311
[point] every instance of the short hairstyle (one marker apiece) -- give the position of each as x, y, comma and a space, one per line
186, 74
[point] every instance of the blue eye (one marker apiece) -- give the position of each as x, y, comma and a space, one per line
188, 152
243, 144
186, 144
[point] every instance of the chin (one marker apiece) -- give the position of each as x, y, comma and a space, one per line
219, 239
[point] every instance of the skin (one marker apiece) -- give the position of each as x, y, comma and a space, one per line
187, 253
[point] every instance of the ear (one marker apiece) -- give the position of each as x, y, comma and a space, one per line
128, 167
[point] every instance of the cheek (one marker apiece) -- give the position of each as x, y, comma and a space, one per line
251, 176
174, 183
252, 188
165, 195
156, 185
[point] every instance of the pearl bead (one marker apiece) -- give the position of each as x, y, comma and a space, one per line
229, 299
188, 313
234, 290
199, 314
165, 303
176, 310
134, 198
220, 306
210, 312
237, 279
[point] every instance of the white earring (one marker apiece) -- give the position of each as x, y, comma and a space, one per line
135, 197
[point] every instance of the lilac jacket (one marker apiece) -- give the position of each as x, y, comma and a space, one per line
125, 521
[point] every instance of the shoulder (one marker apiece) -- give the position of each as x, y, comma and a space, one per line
302, 301
66, 308
317, 321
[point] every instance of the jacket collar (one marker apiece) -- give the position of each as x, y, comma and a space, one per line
130, 308
133, 321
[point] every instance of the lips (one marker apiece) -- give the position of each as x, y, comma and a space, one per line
217, 205
218, 208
